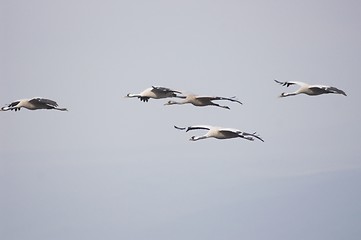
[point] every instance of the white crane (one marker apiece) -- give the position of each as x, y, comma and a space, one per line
201, 101
33, 104
154, 92
220, 133
311, 90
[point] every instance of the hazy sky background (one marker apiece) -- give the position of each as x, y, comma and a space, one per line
115, 168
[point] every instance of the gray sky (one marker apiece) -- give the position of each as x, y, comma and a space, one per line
115, 168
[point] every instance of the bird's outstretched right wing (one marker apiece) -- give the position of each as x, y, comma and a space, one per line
329, 89
289, 83
205, 127
232, 99
44, 101
180, 128
255, 135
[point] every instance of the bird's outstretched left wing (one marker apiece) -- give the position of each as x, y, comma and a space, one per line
329, 89
205, 127
43, 101
180, 128
232, 99
255, 135
164, 89
289, 83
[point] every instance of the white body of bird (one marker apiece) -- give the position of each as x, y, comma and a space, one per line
311, 90
201, 101
220, 133
33, 104
155, 93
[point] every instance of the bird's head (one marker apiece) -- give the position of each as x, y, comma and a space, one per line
282, 95
7, 108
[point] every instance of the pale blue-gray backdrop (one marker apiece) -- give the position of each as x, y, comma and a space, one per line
115, 168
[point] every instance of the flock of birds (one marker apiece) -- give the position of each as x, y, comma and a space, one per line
196, 100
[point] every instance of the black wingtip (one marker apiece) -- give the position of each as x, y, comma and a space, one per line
179, 128
259, 138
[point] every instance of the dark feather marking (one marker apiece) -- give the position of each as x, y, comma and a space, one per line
13, 104
287, 84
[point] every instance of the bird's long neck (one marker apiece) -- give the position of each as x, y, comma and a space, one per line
132, 95
289, 94
196, 138
177, 102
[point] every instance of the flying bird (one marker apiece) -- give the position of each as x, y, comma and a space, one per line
33, 104
220, 133
312, 90
201, 101
154, 92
